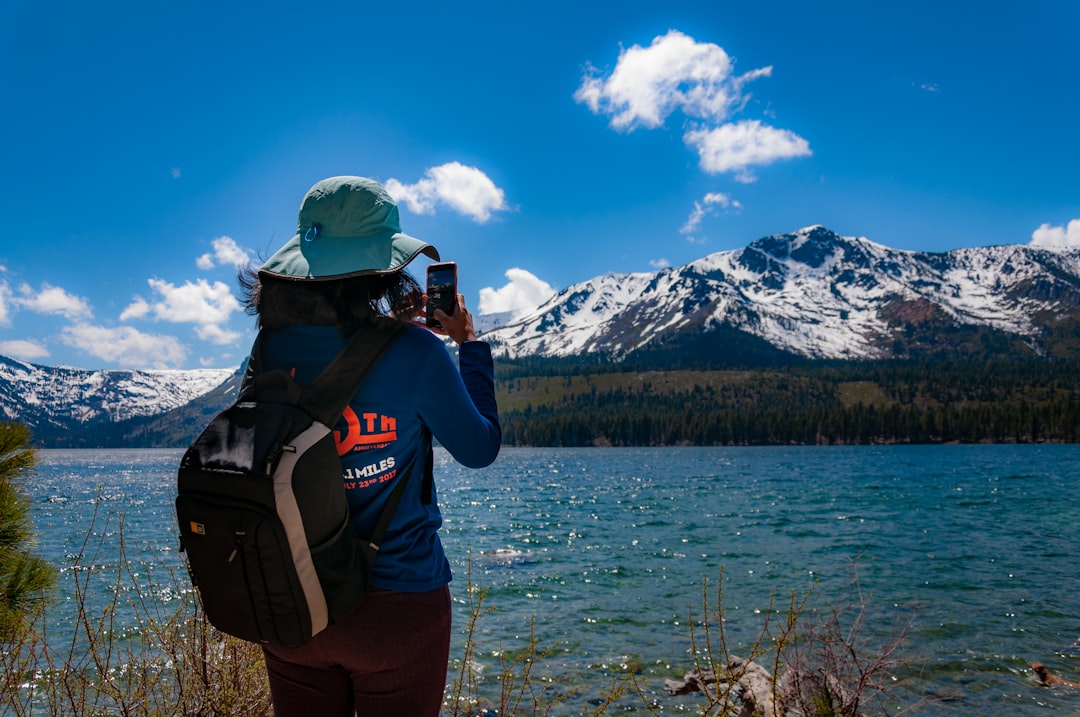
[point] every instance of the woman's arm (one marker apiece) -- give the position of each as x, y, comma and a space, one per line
459, 406
463, 416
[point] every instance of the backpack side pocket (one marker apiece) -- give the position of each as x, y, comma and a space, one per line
343, 567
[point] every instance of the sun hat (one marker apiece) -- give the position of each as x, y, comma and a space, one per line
347, 226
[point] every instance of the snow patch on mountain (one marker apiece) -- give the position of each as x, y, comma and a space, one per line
36, 393
811, 292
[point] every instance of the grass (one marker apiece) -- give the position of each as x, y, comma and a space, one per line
805, 661
148, 651
520, 393
866, 393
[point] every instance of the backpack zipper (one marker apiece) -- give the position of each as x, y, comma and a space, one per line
236, 545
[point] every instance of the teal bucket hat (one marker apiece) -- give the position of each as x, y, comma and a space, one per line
348, 226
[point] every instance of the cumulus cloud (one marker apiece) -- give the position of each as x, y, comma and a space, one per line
466, 190
1060, 237
735, 146
226, 252
674, 73
709, 204
53, 300
659, 263
207, 305
138, 309
23, 350
678, 74
126, 346
5, 304
524, 292
200, 302
216, 334
723, 200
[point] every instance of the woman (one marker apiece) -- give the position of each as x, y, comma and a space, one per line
345, 267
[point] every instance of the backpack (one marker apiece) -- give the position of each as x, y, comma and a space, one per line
261, 502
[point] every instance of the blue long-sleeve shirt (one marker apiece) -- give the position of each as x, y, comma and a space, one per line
414, 385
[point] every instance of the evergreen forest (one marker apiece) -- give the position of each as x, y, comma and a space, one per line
801, 403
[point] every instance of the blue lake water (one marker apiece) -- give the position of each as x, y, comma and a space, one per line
605, 552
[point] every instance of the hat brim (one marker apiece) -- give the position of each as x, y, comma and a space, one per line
327, 257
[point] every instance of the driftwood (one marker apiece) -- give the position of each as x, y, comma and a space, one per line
753, 691
753, 686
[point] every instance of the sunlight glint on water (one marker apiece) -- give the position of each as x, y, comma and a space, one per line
606, 549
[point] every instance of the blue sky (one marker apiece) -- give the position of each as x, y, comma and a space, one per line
148, 147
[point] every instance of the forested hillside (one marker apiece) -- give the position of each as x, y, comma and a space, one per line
776, 400
804, 403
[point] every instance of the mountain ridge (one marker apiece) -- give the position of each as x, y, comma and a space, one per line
805, 296
814, 294
54, 401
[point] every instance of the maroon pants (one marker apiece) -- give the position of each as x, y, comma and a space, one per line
389, 658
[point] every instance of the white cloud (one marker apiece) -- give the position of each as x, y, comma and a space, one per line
694, 220
678, 74
126, 346
466, 190
523, 293
674, 73
208, 305
735, 146
23, 350
5, 304
723, 200
707, 206
659, 263
138, 309
53, 300
216, 334
200, 302
1063, 237
226, 252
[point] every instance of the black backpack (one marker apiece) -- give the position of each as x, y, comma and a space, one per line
261, 503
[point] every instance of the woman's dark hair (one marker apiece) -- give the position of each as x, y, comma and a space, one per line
345, 303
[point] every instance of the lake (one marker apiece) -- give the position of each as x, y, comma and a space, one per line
604, 552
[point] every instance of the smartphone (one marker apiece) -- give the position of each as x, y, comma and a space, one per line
441, 290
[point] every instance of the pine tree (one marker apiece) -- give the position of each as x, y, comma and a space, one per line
24, 577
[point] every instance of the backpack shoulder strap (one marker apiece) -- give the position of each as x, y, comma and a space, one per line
349, 369
387, 514
253, 369
326, 397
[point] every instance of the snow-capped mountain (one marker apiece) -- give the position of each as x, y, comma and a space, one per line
51, 400
811, 293
815, 294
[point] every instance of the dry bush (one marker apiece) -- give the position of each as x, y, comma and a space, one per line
146, 651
